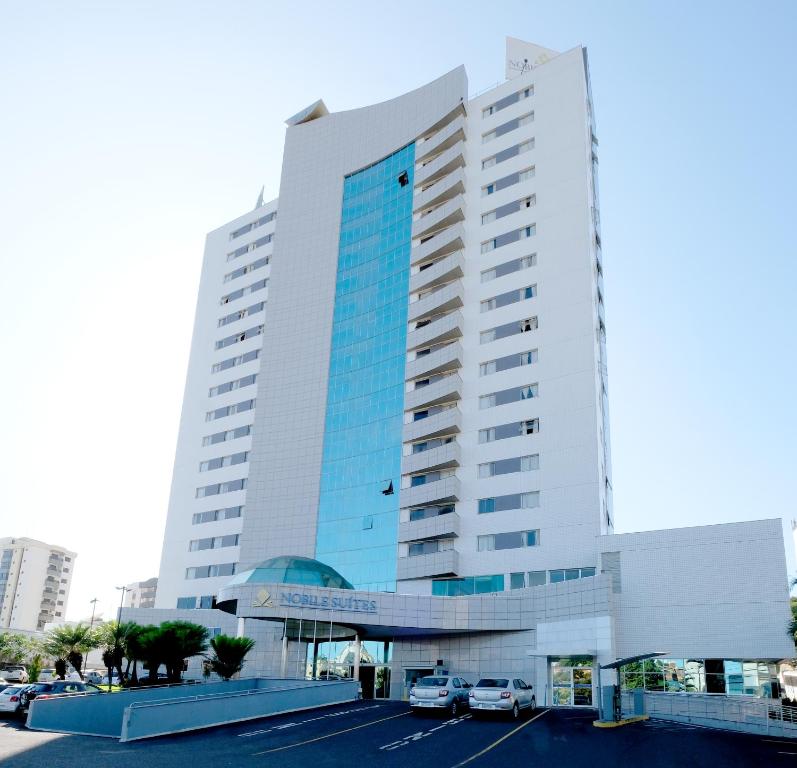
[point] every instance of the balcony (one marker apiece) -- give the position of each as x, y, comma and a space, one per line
446, 422
423, 566
449, 240
446, 390
444, 271
444, 138
448, 187
442, 165
445, 215
442, 457
448, 358
443, 299
441, 329
438, 527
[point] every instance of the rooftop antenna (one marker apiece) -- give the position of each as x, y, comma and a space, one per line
260, 197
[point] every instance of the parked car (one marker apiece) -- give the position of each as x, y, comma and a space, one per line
104, 680
93, 676
502, 694
14, 673
46, 675
11, 699
55, 688
4, 684
436, 692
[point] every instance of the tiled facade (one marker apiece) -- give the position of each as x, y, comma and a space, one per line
485, 387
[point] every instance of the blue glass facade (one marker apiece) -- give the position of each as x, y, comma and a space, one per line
357, 524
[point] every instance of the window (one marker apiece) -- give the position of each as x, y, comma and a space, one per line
526, 392
509, 237
469, 585
506, 154
509, 297
245, 270
570, 574
508, 267
508, 329
249, 333
186, 602
229, 410
517, 580
511, 540
508, 181
231, 362
217, 488
424, 513
507, 101
509, 208
214, 542
249, 227
209, 571
230, 434
510, 466
224, 461
257, 286
508, 126
537, 578
212, 515
428, 445
238, 252
229, 386
429, 547
528, 500
508, 361
241, 314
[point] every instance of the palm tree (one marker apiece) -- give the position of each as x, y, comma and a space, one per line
114, 639
228, 654
69, 643
180, 640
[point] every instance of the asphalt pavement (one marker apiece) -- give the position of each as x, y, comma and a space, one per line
385, 734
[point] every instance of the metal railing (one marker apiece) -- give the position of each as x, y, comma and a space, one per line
736, 713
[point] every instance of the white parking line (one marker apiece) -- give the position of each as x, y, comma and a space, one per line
285, 726
418, 735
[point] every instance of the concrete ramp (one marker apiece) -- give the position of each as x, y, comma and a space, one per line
146, 713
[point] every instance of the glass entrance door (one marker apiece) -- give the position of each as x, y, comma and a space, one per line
571, 685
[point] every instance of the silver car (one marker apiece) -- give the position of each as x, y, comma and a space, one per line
507, 694
440, 692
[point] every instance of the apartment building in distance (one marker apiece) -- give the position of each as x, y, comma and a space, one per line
34, 583
396, 422
141, 594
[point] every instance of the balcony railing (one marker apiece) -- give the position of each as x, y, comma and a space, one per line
445, 390
444, 563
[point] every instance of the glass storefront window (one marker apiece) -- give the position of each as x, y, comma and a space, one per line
723, 676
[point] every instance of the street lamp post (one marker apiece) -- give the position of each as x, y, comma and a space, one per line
91, 626
121, 603
118, 622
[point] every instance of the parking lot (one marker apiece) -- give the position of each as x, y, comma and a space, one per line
376, 734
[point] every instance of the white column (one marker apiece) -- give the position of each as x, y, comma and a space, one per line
284, 648
241, 624
357, 653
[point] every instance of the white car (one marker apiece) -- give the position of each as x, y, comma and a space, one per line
93, 676
502, 694
14, 673
11, 699
47, 675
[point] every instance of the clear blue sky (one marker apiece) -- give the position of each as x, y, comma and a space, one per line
132, 129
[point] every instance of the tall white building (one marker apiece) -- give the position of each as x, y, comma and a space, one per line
398, 387
491, 343
34, 583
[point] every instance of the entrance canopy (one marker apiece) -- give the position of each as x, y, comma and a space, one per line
617, 663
